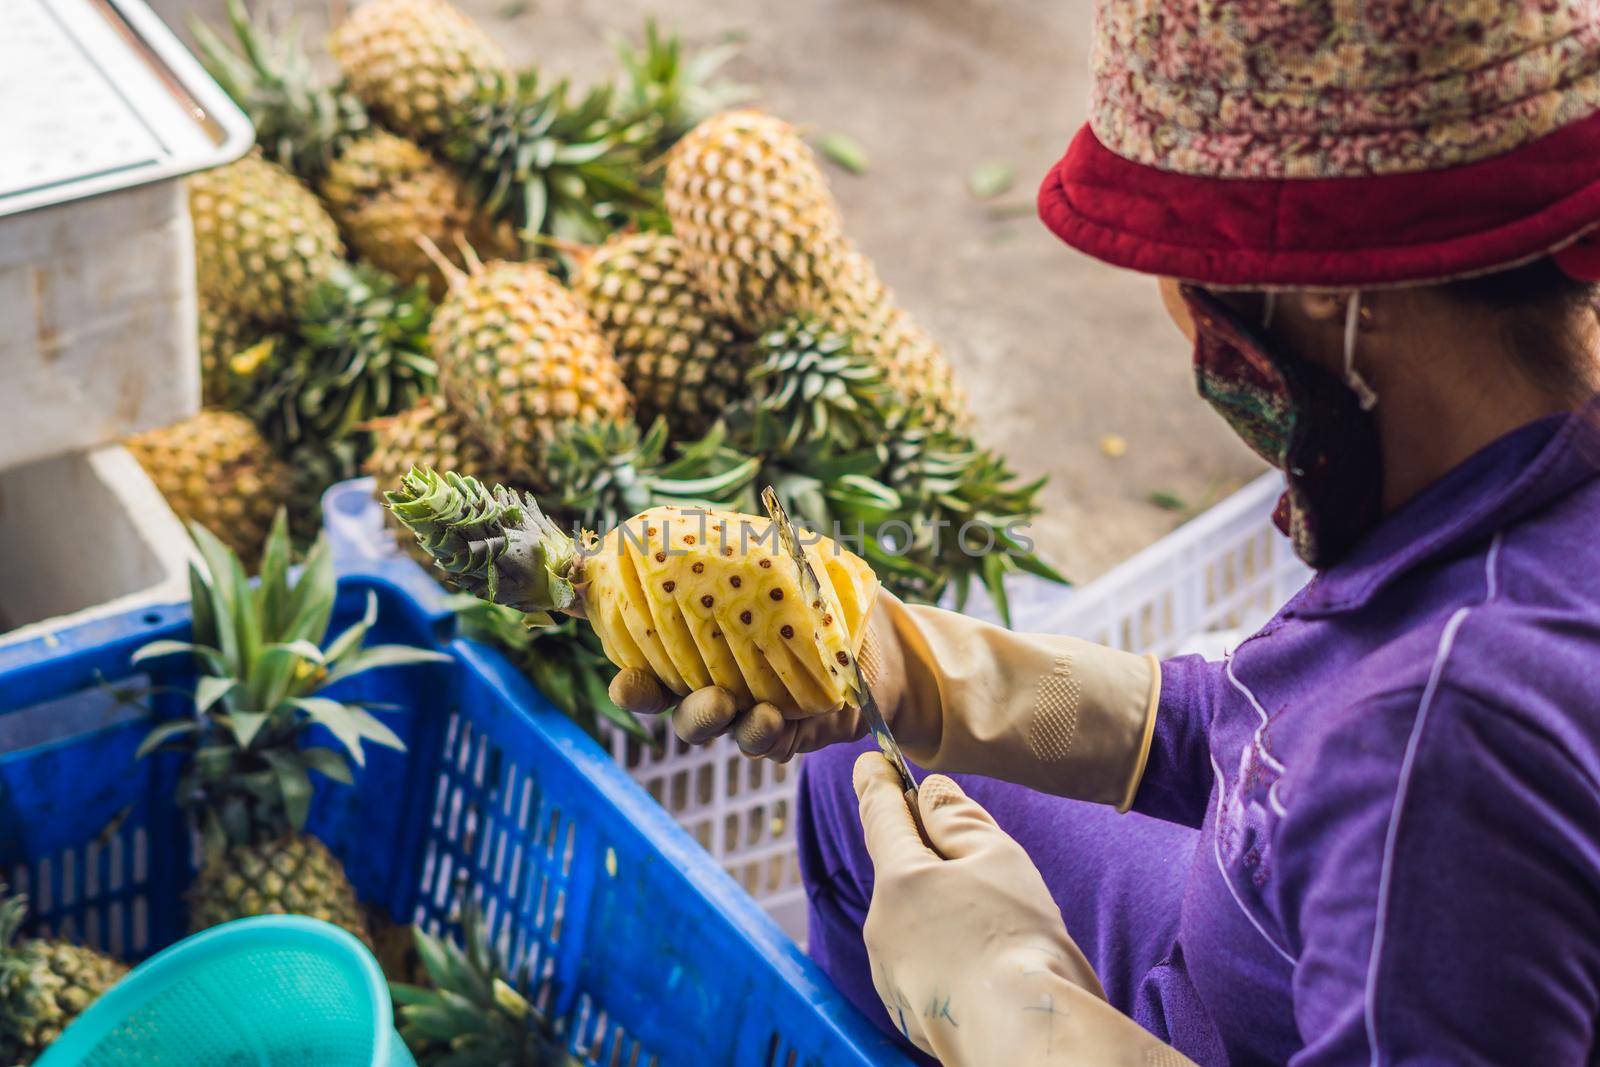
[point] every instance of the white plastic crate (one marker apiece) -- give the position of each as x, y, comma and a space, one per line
53, 574
1221, 574
101, 111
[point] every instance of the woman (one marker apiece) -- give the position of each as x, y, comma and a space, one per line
1371, 836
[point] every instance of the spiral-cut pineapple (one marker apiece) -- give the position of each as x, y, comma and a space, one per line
694, 596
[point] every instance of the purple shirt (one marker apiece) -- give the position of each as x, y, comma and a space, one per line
1397, 784
1396, 790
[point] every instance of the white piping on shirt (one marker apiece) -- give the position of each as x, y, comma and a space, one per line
1386, 872
1254, 703
1216, 852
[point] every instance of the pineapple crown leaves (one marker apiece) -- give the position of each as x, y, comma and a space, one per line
360, 351
565, 660
300, 122
609, 471
495, 544
966, 508
548, 165
675, 88
262, 664
13, 913
810, 387
474, 1015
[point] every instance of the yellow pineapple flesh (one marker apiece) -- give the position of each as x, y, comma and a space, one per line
518, 358
694, 596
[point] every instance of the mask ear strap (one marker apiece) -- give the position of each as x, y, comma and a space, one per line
1352, 377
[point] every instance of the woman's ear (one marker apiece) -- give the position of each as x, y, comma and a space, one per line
1177, 307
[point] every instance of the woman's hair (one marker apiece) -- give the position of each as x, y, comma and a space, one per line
1536, 305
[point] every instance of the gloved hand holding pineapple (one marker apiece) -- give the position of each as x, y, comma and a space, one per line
703, 607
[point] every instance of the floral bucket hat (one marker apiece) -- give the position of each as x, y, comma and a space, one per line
1362, 143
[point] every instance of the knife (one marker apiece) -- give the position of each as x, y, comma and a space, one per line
863, 695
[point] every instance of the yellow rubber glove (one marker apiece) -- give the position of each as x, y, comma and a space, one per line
968, 951
1054, 713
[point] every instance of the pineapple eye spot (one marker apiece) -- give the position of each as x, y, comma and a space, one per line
706, 601
669, 586
698, 568
787, 632
649, 531
728, 551
766, 563
744, 617
817, 604
776, 594
688, 539
661, 557
843, 658
736, 581
827, 620
715, 634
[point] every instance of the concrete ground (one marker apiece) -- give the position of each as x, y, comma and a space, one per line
1064, 358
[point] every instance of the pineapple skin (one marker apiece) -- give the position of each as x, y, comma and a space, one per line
292, 875
747, 198
384, 192
678, 357
222, 335
44, 985
857, 302
518, 357
702, 597
427, 434
413, 61
262, 240
215, 468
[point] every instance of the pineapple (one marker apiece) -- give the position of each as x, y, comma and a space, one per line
261, 240
477, 1013
427, 434
414, 62
518, 358
679, 359
217, 470
811, 389
223, 335
747, 198
764, 239
695, 596
548, 164
44, 984
679, 90
259, 649
607, 471
382, 190
857, 302
359, 351
293, 874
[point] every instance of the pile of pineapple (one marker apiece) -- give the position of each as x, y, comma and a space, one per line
636, 295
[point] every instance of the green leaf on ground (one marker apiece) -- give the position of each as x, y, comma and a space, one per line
845, 151
988, 180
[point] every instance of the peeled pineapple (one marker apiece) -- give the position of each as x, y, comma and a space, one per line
695, 596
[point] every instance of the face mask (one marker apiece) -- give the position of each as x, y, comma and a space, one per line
1299, 418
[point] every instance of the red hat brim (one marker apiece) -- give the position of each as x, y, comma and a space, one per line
1382, 230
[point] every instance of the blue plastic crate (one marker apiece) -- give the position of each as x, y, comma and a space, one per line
654, 953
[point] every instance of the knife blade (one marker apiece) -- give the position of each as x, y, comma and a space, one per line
863, 694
